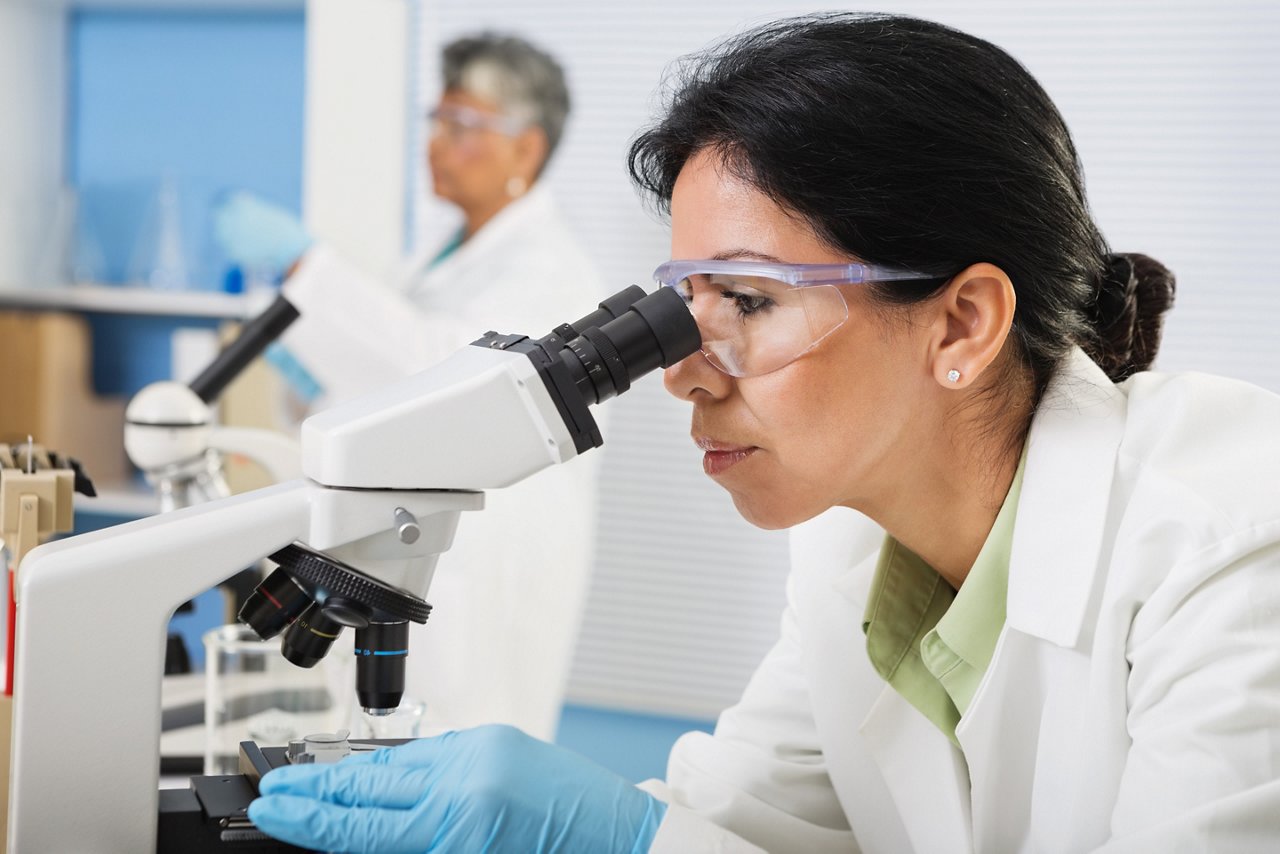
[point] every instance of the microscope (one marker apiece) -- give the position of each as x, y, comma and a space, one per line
169, 429
355, 542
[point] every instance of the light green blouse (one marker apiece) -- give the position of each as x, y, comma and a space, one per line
930, 642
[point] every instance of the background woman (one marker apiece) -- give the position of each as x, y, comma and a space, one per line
508, 597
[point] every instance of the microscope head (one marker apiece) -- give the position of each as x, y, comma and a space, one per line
501, 409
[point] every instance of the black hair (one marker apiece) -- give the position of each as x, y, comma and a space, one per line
905, 142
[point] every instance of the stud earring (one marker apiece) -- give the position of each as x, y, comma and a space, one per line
953, 376
516, 186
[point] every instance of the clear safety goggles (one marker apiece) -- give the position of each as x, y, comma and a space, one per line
756, 317
457, 121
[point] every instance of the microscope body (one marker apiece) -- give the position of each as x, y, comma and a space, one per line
93, 610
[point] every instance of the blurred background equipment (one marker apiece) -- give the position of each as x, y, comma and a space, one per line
36, 488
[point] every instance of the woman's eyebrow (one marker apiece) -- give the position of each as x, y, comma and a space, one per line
745, 255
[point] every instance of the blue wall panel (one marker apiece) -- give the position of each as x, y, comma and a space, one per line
631, 744
207, 101
197, 102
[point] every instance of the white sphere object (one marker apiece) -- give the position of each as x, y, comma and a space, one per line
166, 423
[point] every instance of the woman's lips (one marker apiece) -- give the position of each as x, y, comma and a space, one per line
719, 457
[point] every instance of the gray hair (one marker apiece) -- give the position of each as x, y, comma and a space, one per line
521, 79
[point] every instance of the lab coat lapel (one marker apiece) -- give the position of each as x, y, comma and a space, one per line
491, 244
925, 774
1053, 565
1062, 512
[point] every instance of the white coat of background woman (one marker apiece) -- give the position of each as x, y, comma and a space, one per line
508, 595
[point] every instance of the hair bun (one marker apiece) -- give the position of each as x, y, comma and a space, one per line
1133, 295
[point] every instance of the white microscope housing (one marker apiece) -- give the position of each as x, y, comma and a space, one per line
386, 478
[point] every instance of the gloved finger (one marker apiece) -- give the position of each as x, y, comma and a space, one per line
350, 784
228, 214
362, 757
420, 751
231, 204
325, 827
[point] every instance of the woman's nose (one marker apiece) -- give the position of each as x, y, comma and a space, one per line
694, 377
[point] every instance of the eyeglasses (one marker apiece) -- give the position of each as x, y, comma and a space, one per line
757, 317
457, 121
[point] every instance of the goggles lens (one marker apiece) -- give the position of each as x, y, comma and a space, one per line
457, 120
752, 325
756, 317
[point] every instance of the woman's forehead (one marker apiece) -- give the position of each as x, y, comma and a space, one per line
715, 211
470, 100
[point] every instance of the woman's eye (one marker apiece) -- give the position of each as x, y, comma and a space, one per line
747, 304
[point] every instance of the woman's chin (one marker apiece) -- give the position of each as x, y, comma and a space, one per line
768, 514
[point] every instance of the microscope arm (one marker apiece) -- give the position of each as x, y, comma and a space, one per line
89, 663
93, 616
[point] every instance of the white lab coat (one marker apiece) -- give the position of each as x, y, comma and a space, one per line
1133, 701
508, 595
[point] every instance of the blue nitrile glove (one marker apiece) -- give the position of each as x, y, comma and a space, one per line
258, 235
490, 789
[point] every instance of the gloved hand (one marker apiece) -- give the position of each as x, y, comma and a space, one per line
491, 789
258, 235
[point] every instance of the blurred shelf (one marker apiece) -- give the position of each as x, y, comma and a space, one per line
126, 498
133, 300
189, 5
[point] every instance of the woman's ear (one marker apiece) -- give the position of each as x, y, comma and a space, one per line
972, 321
532, 150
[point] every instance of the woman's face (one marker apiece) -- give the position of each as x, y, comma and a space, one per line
470, 163
834, 427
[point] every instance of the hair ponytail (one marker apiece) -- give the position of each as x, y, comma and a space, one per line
1127, 314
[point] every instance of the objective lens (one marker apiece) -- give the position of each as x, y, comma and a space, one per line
381, 650
309, 638
656, 331
274, 604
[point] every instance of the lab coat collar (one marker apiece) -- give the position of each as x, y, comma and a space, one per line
1066, 486
945, 803
1075, 435
495, 236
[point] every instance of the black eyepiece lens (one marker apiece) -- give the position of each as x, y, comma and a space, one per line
654, 332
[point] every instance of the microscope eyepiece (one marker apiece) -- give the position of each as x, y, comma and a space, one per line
611, 308
655, 331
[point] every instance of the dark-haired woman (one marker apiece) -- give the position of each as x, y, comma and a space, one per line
1035, 601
